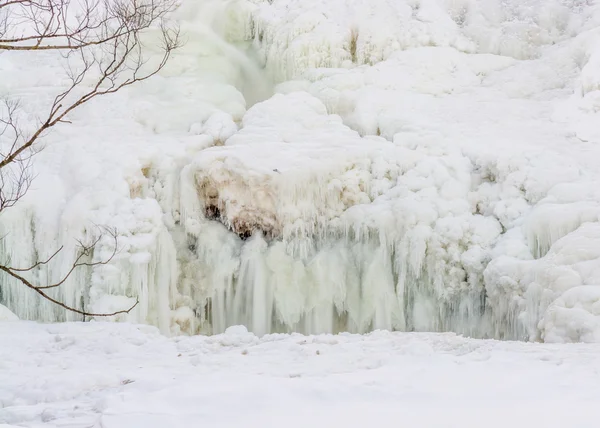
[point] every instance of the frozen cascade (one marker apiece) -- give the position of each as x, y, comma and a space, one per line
339, 246
215, 25
412, 172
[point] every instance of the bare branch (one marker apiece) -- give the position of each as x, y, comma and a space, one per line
101, 42
85, 251
61, 304
119, 65
15, 182
58, 25
40, 263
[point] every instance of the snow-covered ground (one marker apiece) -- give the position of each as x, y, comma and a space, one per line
424, 165
125, 376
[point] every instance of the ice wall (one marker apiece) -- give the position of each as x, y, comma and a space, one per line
424, 166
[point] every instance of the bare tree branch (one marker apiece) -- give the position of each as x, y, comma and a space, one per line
63, 24
85, 250
119, 65
15, 180
101, 42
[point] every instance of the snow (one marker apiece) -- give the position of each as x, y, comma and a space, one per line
123, 375
317, 167
6, 314
560, 283
574, 315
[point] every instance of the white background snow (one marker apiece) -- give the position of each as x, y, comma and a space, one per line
122, 376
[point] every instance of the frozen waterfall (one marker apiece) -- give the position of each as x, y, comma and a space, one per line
311, 166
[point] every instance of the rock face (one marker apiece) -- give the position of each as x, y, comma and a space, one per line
232, 207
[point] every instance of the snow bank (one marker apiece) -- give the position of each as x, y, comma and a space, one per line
129, 376
7, 315
431, 166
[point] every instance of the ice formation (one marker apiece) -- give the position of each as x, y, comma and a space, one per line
424, 165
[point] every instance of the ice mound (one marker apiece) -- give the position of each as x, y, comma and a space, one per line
536, 295
312, 195
574, 316
282, 169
